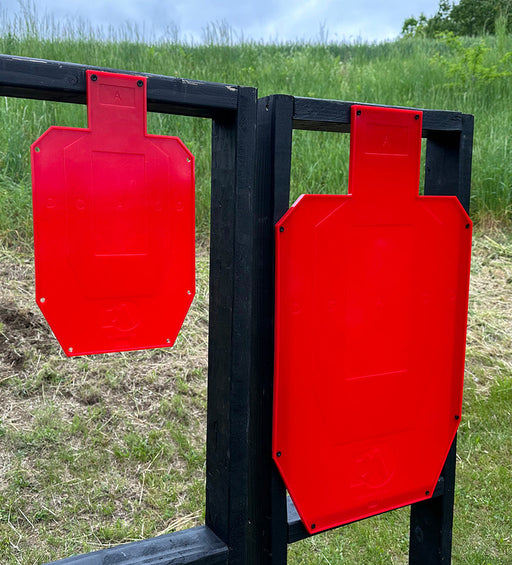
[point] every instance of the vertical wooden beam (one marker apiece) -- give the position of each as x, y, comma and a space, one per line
267, 495
447, 172
432, 521
231, 323
448, 162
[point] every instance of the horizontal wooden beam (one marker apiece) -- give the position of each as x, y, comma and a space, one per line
334, 115
22, 77
193, 546
297, 531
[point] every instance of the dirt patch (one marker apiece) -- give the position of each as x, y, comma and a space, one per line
20, 329
23, 330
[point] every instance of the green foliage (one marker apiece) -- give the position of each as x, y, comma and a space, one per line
467, 17
470, 65
415, 26
475, 17
429, 27
15, 211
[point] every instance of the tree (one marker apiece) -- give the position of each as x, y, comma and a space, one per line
476, 17
467, 17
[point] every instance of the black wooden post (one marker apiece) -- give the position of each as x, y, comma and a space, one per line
448, 162
232, 319
447, 172
430, 534
268, 513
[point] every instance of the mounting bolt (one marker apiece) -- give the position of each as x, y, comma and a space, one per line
467, 226
313, 526
457, 417
281, 229
278, 454
417, 117
358, 113
140, 83
94, 77
427, 492
70, 350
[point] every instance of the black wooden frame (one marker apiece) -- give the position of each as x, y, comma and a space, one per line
447, 172
232, 110
249, 519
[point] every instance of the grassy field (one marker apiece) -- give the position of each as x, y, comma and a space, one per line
107, 449
468, 76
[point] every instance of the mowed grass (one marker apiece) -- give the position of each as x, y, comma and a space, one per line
482, 532
100, 450
108, 449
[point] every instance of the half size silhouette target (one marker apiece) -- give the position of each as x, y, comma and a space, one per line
113, 225
371, 309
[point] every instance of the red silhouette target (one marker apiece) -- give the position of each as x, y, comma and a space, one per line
371, 309
114, 229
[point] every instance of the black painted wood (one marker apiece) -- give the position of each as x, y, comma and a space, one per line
447, 172
431, 522
281, 108
198, 546
448, 162
23, 77
231, 344
267, 494
466, 160
334, 115
297, 531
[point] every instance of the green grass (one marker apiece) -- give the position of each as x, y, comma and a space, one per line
408, 72
100, 450
106, 449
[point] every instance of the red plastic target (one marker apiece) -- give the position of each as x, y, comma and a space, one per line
114, 225
371, 309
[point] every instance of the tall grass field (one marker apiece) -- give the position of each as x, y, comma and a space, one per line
471, 75
109, 449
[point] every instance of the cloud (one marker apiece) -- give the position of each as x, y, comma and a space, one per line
266, 19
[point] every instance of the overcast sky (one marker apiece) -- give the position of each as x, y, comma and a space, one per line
270, 20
